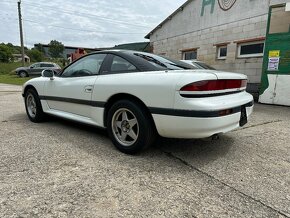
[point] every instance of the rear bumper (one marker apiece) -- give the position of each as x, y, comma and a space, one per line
197, 127
201, 123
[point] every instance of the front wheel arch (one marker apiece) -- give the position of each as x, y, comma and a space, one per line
33, 105
29, 87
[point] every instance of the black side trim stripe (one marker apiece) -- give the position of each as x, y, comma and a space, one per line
209, 95
153, 110
191, 113
73, 100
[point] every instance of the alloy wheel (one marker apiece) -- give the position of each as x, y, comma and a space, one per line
22, 74
125, 127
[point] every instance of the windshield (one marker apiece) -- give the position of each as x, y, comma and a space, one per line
164, 63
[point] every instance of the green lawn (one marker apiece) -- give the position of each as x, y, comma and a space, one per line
8, 76
6, 68
13, 79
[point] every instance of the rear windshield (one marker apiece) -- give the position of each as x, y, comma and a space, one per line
164, 63
204, 66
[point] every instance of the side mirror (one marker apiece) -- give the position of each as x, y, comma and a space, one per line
48, 73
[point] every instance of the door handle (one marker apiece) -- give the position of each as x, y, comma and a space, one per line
88, 89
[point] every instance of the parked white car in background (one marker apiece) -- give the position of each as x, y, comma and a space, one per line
198, 64
137, 95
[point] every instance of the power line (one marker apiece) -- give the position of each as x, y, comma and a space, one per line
6, 1
68, 28
83, 30
87, 15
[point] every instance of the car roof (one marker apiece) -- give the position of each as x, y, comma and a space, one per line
128, 55
44, 62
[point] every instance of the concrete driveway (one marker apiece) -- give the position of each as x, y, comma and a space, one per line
62, 169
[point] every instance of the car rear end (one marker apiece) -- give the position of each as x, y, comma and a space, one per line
205, 107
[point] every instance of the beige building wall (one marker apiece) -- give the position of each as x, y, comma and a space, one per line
205, 42
246, 21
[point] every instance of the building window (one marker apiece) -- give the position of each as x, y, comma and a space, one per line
222, 52
277, 25
190, 55
251, 49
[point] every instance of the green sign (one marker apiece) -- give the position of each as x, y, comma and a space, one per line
207, 3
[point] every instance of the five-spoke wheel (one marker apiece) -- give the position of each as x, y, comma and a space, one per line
125, 126
130, 126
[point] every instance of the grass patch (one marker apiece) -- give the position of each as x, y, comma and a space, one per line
8, 76
13, 79
7, 68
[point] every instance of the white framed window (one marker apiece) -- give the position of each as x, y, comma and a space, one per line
190, 55
222, 52
251, 49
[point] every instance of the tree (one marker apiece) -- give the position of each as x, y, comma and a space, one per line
5, 53
39, 47
55, 49
35, 55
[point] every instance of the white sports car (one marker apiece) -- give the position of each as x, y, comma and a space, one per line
138, 95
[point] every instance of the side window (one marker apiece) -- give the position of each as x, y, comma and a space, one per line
121, 65
46, 65
35, 66
87, 66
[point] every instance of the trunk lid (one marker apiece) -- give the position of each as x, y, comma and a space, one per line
228, 75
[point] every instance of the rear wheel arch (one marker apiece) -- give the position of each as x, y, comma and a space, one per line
113, 99
130, 124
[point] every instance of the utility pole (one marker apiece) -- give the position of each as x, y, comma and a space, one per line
21, 31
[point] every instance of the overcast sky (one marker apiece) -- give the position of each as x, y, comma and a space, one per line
90, 23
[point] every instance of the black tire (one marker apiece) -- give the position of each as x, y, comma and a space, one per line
23, 74
36, 115
146, 131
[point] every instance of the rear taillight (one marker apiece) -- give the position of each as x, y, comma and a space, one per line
214, 85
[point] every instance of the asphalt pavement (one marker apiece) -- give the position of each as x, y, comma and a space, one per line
63, 169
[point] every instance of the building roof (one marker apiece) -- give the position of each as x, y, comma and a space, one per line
70, 47
137, 46
168, 18
20, 55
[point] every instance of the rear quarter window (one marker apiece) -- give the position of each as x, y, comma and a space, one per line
46, 65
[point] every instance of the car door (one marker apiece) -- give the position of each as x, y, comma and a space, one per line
44, 66
34, 69
71, 92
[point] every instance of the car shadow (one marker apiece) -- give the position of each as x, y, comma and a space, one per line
77, 125
198, 151
96, 141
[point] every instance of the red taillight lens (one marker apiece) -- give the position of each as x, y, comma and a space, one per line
212, 85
